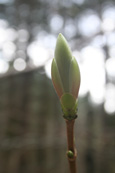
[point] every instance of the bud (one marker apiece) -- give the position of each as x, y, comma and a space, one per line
70, 154
66, 77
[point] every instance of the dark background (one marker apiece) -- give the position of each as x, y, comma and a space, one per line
32, 129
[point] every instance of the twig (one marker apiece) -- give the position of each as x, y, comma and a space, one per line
72, 152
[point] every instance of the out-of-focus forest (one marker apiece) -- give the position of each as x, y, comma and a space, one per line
32, 128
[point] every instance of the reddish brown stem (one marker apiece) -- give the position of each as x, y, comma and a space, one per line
71, 146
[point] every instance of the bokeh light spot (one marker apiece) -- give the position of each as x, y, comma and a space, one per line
48, 68
89, 24
4, 66
37, 53
93, 72
9, 49
56, 22
19, 64
70, 29
108, 25
109, 104
23, 35
110, 67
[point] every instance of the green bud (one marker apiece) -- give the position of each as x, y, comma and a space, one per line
66, 77
70, 154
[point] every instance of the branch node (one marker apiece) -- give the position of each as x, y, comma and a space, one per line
72, 155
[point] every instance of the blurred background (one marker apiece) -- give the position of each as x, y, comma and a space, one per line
32, 129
